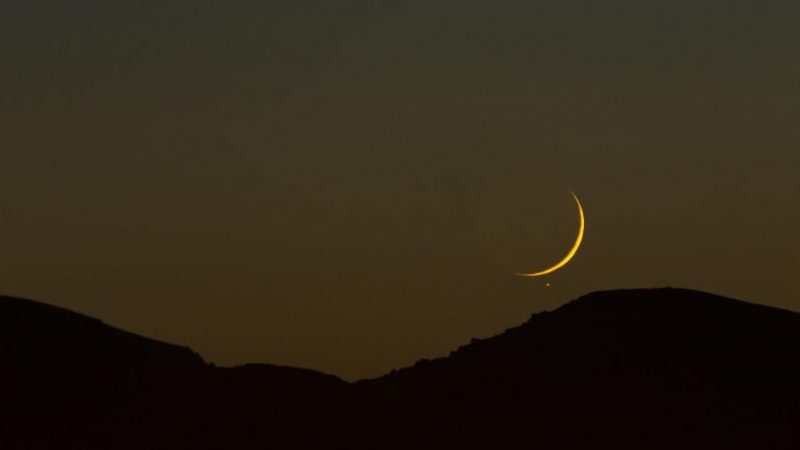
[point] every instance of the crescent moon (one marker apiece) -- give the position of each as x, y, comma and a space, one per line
572, 251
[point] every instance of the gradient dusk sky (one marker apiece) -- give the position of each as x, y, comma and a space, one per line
349, 186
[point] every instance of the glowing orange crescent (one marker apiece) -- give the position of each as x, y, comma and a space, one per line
572, 251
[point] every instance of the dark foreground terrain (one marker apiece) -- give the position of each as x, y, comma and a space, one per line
635, 369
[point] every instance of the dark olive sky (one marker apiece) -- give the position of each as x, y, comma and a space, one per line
349, 185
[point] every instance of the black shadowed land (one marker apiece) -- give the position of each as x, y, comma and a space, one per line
632, 369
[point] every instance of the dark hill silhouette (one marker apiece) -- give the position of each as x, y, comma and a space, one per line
658, 368
71, 381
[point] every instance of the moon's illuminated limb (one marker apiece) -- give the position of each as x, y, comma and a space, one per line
572, 251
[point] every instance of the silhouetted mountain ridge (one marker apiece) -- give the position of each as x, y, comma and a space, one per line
46, 328
641, 368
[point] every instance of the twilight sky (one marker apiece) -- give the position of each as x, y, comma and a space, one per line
349, 185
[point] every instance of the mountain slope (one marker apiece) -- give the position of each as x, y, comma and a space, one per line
637, 368
649, 368
71, 381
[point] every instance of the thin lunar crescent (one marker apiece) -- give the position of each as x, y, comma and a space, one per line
572, 251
